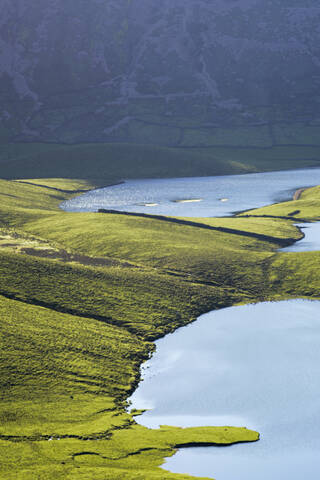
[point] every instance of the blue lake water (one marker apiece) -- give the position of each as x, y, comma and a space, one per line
213, 196
310, 242
256, 366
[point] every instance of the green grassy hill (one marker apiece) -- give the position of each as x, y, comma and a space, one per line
82, 298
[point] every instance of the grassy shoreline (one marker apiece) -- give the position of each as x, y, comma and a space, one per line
75, 333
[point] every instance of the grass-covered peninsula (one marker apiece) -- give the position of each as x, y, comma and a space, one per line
82, 298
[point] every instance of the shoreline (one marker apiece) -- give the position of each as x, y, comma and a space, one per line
199, 291
297, 194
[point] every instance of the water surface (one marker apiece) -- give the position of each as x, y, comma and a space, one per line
256, 366
210, 196
311, 240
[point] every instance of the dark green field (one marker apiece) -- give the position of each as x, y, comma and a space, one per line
104, 163
82, 298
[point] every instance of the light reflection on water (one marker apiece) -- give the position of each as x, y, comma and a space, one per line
256, 366
219, 195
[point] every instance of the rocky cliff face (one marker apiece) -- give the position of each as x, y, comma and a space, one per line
171, 72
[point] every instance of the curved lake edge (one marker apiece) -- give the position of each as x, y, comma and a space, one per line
146, 215
179, 197
175, 465
294, 196
298, 192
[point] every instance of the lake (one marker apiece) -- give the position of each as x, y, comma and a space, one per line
256, 366
197, 197
311, 240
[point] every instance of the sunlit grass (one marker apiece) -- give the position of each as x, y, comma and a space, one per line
74, 334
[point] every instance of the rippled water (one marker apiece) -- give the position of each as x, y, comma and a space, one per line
212, 196
256, 366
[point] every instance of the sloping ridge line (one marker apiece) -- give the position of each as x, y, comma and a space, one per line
233, 231
68, 311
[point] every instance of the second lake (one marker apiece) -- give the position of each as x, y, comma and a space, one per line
256, 366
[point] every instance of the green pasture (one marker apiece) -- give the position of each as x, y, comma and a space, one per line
306, 208
83, 296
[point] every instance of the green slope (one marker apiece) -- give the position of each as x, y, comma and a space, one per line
83, 296
105, 163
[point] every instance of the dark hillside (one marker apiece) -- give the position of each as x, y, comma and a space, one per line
178, 73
